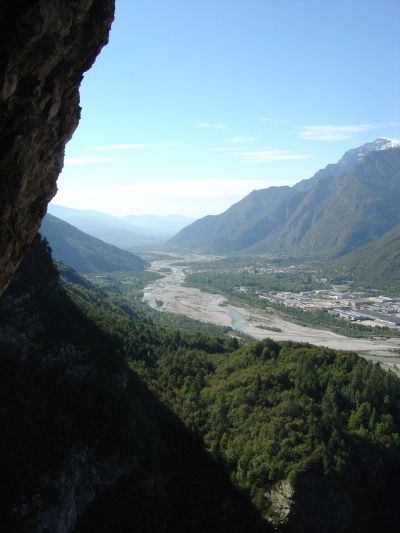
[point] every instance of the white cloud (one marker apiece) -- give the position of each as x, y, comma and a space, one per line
328, 132
241, 139
274, 121
230, 149
132, 146
87, 160
211, 125
267, 156
170, 143
111, 147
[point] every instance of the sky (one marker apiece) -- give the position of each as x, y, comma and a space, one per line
195, 103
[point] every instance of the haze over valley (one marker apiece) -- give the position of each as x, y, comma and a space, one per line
339, 272
131, 230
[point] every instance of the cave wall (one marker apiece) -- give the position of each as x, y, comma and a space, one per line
45, 47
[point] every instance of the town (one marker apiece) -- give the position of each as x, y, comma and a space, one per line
367, 307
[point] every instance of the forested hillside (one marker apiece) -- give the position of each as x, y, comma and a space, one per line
376, 264
83, 252
311, 435
164, 430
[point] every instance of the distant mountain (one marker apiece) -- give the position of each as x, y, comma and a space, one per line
113, 230
85, 253
349, 160
378, 262
131, 230
340, 213
340, 208
166, 225
229, 231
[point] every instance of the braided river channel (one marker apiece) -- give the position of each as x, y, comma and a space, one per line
169, 294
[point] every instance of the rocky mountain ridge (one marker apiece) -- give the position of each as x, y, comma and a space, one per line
341, 207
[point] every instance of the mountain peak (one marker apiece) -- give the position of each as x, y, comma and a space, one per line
355, 155
383, 143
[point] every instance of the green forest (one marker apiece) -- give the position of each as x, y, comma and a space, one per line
257, 283
208, 432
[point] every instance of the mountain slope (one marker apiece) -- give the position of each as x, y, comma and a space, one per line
227, 232
65, 416
84, 252
78, 424
339, 214
341, 207
378, 262
347, 162
283, 436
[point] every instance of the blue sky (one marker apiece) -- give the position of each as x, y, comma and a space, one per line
194, 103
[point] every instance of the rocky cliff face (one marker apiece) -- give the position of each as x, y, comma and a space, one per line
45, 47
76, 486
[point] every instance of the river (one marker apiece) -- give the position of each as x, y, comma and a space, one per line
169, 294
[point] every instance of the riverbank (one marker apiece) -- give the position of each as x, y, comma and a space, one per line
168, 294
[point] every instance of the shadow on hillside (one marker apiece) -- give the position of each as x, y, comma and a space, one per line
64, 389
191, 494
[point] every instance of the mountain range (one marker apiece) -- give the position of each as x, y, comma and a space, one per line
341, 207
131, 230
85, 253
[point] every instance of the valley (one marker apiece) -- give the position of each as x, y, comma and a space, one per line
200, 319
170, 294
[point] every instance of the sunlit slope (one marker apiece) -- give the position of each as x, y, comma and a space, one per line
85, 253
328, 216
377, 263
235, 228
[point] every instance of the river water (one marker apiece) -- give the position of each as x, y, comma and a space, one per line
168, 294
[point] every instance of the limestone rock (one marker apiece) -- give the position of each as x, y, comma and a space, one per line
45, 47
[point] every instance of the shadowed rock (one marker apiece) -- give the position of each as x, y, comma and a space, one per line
45, 47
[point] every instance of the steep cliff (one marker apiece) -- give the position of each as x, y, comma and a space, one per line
45, 47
